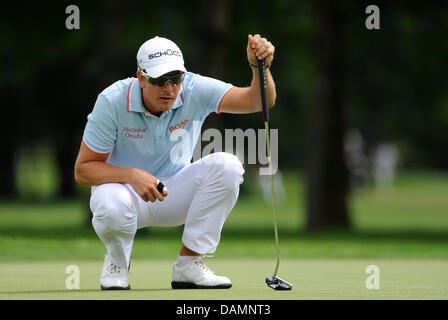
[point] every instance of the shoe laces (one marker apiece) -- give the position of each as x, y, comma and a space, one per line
112, 268
202, 265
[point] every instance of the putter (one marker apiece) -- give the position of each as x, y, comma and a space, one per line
273, 282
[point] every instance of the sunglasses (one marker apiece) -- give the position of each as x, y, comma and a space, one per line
175, 79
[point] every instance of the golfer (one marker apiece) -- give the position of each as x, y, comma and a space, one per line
136, 155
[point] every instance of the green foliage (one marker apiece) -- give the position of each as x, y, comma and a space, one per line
36, 175
394, 77
409, 221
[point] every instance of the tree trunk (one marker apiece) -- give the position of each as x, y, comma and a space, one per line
109, 53
211, 31
7, 161
65, 153
326, 172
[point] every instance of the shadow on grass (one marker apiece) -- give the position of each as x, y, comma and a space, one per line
83, 291
77, 232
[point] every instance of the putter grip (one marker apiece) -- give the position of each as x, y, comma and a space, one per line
160, 187
264, 95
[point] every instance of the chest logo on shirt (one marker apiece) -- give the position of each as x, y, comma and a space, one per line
134, 133
179, 125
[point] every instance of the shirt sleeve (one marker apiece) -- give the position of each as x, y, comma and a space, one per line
100, 133
210, 92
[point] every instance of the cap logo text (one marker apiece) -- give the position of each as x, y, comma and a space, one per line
167, 52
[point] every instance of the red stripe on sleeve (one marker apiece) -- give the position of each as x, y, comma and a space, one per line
219, 104
102, 154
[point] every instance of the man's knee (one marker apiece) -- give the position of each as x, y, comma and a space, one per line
227, 169
114, 205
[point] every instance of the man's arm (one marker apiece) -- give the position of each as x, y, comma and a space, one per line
92, 169
247, 100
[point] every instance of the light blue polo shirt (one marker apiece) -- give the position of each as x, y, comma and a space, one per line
120, 126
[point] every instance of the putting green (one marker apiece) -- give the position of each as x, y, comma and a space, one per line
312, 279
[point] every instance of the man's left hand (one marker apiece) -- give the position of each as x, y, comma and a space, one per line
259, 48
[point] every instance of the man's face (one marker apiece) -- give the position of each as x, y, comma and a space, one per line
158, 99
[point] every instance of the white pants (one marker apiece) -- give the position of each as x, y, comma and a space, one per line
201, 196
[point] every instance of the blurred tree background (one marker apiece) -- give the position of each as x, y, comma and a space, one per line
333, 76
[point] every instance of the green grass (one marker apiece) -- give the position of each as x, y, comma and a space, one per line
403, 230
311, 279
410, 221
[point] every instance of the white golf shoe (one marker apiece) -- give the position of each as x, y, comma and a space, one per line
114, 277
196, 275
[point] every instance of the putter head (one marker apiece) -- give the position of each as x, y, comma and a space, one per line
277, 283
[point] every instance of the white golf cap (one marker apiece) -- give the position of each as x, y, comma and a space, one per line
158, 56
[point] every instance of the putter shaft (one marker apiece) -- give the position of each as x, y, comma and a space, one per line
264, 104
274, 205
273, 282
